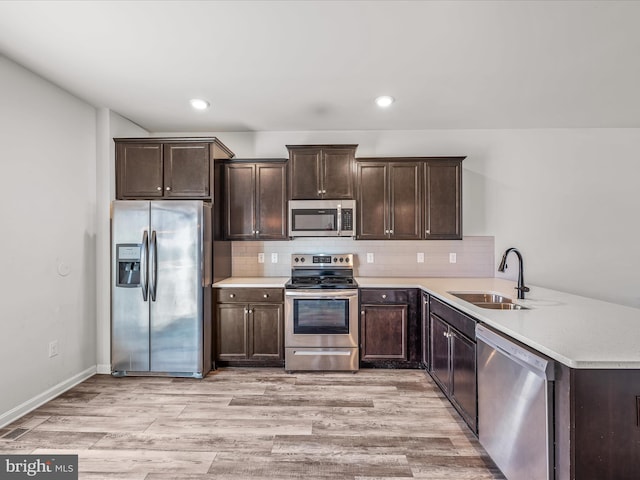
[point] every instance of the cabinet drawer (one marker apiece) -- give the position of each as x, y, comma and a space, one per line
453, 317
249, 295
377, 296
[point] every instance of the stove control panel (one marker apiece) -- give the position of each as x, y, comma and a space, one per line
320, 260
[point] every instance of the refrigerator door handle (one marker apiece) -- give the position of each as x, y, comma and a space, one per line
153, 265
144, 285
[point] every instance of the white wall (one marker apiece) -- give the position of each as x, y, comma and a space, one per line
567, 198
48, 239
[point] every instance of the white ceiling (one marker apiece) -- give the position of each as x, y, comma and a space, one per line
318, 65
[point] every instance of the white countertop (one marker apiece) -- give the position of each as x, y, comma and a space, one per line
254, 282
577, 331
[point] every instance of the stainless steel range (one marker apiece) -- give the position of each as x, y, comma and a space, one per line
321, 313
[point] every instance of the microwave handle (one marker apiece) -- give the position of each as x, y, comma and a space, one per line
339, 218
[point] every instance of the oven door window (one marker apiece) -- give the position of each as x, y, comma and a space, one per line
312, 220
320, 316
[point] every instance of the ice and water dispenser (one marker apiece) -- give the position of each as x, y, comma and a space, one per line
128, 262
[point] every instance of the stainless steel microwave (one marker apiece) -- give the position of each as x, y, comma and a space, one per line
322, 218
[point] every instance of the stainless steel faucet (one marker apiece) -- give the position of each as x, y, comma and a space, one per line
503, 265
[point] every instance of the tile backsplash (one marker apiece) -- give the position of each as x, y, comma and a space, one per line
391, 258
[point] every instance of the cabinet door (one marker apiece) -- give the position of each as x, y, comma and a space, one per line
231, 332
139, 170
383, 332
337, 173
425, 330
265, 332
305, 174
372, 201
271, 201
443, 200
463, 376
240, 201
404, 201
439, 352
186, 170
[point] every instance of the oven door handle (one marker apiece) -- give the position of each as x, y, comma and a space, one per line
328, 295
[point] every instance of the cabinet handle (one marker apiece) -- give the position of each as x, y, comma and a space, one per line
158, 188
266, 295
168, 188
232, 295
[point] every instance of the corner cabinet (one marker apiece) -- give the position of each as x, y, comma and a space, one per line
389, 328
442, 187
167, 168
321, 171
409, 198
453, 358
256, 200
249, 326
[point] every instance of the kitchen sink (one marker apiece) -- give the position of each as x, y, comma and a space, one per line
492, 301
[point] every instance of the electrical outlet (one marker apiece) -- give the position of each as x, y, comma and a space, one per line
369, 257
53, 348
261, 257
452, 258
274, 258
420, 257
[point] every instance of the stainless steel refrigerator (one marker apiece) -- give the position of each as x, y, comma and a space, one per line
161, 288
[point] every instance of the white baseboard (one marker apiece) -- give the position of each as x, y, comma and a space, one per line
33, 403
103, 369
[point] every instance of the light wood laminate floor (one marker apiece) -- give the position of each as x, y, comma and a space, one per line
256, 424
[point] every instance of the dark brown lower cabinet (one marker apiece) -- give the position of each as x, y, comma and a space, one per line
389, 328
425, 330
453, 358
597, 424
249, 327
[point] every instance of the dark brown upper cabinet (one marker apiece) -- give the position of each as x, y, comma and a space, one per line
321, 171
443, 199
167, 168
256, 200
389, 200
409, 198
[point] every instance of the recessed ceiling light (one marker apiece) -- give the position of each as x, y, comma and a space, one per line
384, 101
199, 104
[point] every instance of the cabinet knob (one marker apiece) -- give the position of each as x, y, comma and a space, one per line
168, 188
266, 295
158, 188
391, 232
427, 232
384, 295
232, 295
362, 312
446, 334
257, 232
319, 192
324, 191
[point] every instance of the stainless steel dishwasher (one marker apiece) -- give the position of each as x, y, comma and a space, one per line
515, 407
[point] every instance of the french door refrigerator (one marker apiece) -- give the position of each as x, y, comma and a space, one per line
161, 288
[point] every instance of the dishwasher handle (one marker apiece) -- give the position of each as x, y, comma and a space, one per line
536, 364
